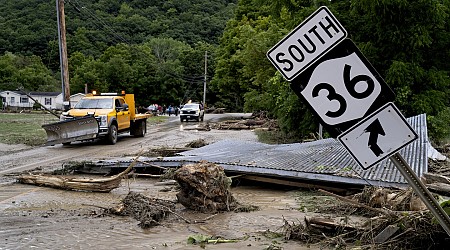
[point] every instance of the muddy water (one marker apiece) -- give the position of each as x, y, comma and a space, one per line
45, 218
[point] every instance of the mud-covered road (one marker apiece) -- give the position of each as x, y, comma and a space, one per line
19, 158
33, 217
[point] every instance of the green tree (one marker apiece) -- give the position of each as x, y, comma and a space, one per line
25, 72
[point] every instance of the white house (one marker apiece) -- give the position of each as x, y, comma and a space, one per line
15, 100
75, 98
50, 100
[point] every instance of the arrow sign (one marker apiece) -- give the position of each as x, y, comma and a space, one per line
384, 132
375, 129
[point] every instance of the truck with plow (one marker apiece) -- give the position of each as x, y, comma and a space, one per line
95, 116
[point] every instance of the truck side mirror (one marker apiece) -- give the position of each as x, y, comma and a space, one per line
125, 107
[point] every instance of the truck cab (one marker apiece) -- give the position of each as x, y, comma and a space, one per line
114, 114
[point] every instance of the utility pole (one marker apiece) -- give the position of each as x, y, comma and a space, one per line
204, 83
63, 61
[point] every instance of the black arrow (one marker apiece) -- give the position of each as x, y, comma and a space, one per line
375, 129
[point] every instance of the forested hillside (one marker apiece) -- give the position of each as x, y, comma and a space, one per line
406, 41
156, 49
152, 46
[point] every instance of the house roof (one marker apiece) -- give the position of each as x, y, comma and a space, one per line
34, 93
78, 94
44, 93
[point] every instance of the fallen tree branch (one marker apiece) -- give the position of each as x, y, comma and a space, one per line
152, 165
74, 183
355, 203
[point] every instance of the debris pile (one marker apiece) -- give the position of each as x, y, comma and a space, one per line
255, 123
196, 144
148, 211
204, 187
395, 200
394, 220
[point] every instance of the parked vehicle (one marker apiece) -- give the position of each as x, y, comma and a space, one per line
192, 111
154, 109
98, 116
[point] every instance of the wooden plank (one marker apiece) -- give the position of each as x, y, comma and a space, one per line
292, 183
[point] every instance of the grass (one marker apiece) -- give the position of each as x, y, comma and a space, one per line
153, 120
25, 128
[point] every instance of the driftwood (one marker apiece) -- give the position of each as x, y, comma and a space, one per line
246, 124
327, 224
105, 184
437, 183
433, 178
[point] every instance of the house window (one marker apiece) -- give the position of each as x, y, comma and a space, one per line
13, 99
23, 99
48, 101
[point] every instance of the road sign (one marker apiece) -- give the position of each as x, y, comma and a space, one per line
342, 87
378, 136
314, 37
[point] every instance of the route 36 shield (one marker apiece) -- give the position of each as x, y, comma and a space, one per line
342, 88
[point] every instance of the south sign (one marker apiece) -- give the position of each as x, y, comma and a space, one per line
306, 43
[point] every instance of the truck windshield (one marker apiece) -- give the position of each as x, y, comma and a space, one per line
191, 106
94, 104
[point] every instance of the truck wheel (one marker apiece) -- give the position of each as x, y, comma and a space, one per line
181, 119
141, 129
112, 134
66, 143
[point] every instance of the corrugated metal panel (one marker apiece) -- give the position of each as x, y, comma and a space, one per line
322, 160
325, 160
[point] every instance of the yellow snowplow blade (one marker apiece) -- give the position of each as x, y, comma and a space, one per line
79, 129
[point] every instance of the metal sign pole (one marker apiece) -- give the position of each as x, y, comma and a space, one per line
421, 191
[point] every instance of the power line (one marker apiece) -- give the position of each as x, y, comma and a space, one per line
79, 7
100, 24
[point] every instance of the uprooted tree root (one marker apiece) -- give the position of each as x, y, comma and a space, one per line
148, 211
204, 187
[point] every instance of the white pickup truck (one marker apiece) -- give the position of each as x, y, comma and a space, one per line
192, 111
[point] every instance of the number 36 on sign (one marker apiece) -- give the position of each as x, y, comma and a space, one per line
342, 88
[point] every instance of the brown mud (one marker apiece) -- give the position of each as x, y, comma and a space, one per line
46, 218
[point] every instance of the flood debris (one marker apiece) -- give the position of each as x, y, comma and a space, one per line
205, 187
103, 184
148, 211
196, 144
390, 223
165, 151
437, 183
257, 123
202, 240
